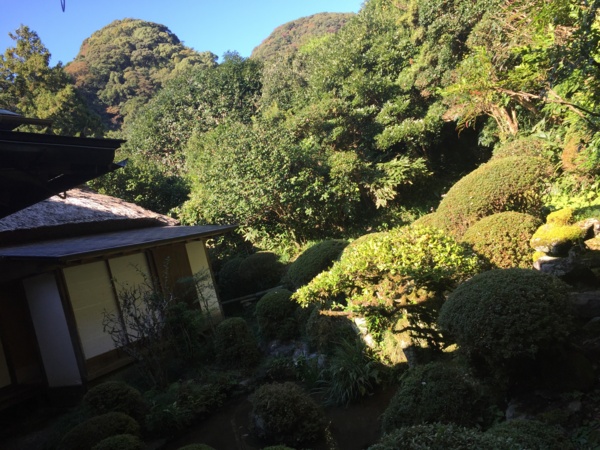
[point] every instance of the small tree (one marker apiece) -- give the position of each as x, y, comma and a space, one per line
153, 326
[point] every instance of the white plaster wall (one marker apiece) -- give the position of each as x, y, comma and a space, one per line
52, 331
199, 264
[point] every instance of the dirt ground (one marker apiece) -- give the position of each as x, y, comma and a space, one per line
355, 427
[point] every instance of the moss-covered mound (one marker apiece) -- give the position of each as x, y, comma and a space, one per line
505, 184
505, 315
235, 345
438, 392
313, 261
502, 239
275, 314
558, 235
282, 413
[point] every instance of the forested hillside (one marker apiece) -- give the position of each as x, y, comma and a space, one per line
361, 129
290, 36
120, 67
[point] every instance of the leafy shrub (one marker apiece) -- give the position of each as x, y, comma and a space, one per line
438, 392
502, 239
275, 315
115, 396
229, 281
284, 413
260, 271
383, 274
531, 434
120, 442
96, 429
352, 372
313, 261
325, 331
182, 403
235, 345
440, 437
505, 315
506, 184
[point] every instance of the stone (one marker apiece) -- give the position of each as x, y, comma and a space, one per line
586, 304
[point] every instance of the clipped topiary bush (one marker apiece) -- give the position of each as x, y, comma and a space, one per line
313, 261
441, 437
386, 274
275, 314
196, 447
120, 442
261, 271
235, 345
283, 413
438, 392
531, 435
278, 447
531, 146
502, 239
229, 281
505, 315
94, 430
506, 184
115, 396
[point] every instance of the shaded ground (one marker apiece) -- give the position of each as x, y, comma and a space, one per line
353, 428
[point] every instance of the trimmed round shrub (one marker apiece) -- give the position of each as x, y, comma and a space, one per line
314, 260
261, 271
229, 281
325, 331
94, 430
440, 437
116, 396
196, 447
532, 146
438, 392
275, 314
284, 413
506, 184
235, 345
531, 435
502, 239
120, 442
505, 315
278, 447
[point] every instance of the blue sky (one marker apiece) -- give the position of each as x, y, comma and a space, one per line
214, 25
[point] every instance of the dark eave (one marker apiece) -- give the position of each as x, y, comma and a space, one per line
35, 166
84, 247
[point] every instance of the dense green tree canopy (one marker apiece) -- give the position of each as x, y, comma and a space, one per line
29, 86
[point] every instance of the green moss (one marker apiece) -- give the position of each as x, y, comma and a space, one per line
275, 314
438, 392
505, 315
556, 239
502, 239
561, 217
506, 184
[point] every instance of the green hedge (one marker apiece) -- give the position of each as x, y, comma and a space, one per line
115, 396
91, 432
513, 183
502, 239
235, 345
531, 435
314, 260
